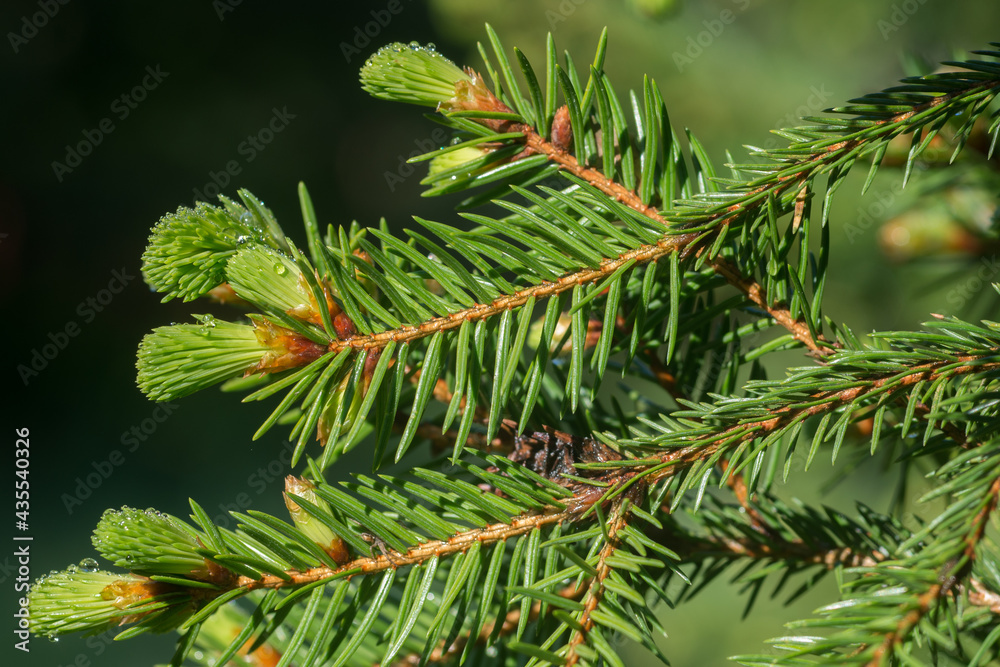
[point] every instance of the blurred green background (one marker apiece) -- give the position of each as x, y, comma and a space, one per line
730, 70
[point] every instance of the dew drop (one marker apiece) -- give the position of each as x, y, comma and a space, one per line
248, 219
280, 268
52, 638
89, 565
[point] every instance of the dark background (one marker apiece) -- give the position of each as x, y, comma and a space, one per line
228, 66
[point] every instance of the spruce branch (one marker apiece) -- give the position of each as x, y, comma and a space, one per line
795, 552
947, 578
890, 602
392, 559
800, 163
557, 153
562, 541
617, 219
780, 541
852, 378
517, 299
595, 587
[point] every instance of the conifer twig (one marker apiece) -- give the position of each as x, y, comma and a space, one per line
753, 290
947, 579
798, 551
822, 402
393, 559
595, 587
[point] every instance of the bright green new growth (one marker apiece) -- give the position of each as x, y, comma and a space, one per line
265, 276
180, 359
148, 542
310, 525
412, 73
84, 599
188, 250
562, 520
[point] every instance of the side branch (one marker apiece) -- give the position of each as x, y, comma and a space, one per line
784, 550
647, 253
818, 403
641, 255
947, 579
497, 532
723, 267
595, 590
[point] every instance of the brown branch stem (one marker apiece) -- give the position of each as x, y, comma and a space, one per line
545, 289
947, 579
981, 596
722, 266
738, 486
595, 589
820, 403
694, 549
492, 533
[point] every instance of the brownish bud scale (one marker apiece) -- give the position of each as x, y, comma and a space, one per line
562, 130
311, 312
287, 348
315, 529
344, 327
227, 296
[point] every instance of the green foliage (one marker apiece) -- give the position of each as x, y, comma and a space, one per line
554, 529
188, 250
